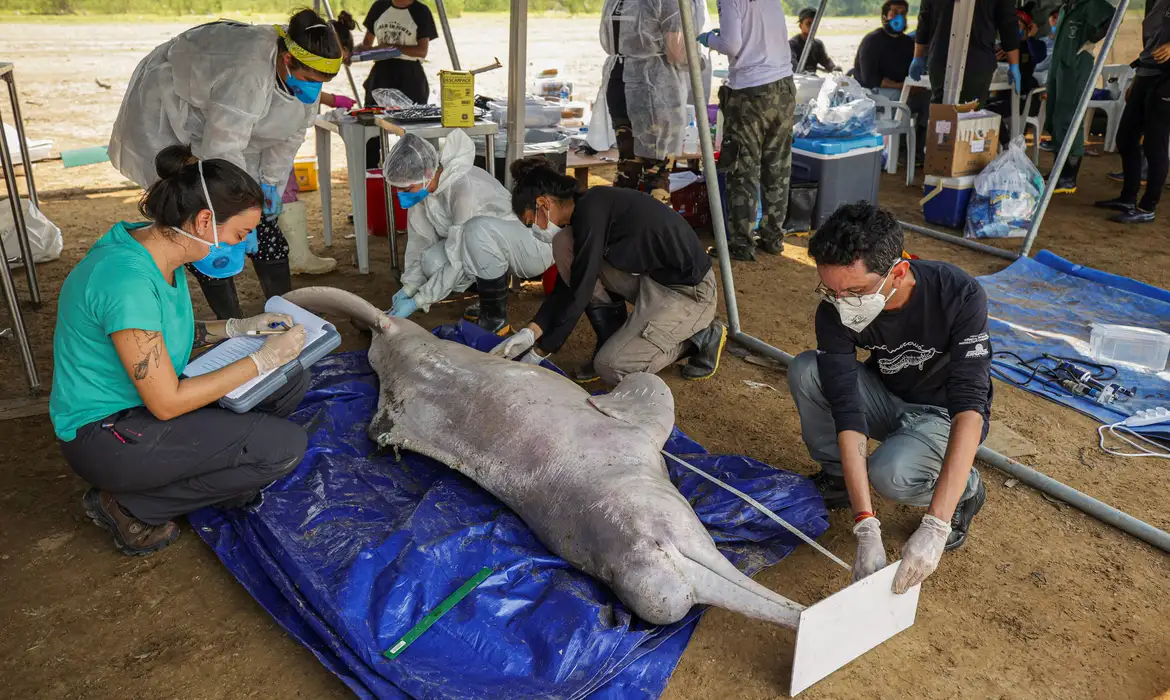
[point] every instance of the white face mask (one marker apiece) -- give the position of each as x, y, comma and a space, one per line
546, 233
857, 313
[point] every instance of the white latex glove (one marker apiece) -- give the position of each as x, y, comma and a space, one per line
532, 358
922, 553
511, 347
871, 554
279, 349
259, 324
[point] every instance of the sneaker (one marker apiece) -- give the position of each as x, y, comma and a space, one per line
964, 514
1116, 204
709, 343
131, 536
471, 313
1135, 216
832, 489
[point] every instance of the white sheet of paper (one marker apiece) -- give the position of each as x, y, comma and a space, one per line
849, 623
235, 349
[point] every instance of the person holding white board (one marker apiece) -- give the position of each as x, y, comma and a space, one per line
148, 439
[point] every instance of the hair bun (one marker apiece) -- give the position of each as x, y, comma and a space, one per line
171, 160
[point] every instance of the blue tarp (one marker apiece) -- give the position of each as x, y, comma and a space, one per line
1047, 305
350, 550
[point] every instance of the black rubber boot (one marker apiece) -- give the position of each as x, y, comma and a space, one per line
707, 348
275, 277
964, 514
1067, 182
493, 305
832, 489
221, 297
606, 320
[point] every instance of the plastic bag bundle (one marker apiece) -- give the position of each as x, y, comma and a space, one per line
1006, 195
391, 98
842, 109
44, 238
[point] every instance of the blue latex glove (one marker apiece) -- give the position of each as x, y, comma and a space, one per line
705, 37
918, 67
272, 200
251, 243
399, 296
404, 308
1014, 74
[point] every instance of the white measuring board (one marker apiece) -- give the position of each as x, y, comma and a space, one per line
849, 623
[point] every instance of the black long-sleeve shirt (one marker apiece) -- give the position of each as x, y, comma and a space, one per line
991, 17
935, 350
634, 233
882, 55
818, 57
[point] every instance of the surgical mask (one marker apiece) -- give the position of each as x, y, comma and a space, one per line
858, 312
307, 91
547, 232
896, 25
223, 260
409, 199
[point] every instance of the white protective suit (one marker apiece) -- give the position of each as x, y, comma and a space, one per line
657, 90
213, 87
466, 229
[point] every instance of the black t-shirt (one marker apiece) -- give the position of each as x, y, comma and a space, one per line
818, 57
991, 18
401, 26
634, 233
935, 350
883, 56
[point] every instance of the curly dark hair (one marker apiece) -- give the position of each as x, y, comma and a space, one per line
858, 231
891, 3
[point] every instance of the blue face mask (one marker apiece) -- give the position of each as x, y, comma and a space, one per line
307, 91
223, 260
409, 199
897, 24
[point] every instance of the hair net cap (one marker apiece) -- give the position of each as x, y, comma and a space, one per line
412, 161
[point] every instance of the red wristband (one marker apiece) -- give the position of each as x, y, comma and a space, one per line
862, 516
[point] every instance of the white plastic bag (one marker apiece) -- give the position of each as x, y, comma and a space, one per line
1006, 195
43, 235
842, 109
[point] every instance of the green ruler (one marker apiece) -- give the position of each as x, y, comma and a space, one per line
433, 616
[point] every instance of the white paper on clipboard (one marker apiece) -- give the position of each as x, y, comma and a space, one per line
236, 349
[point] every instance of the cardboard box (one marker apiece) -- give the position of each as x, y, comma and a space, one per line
960, 140
457, 98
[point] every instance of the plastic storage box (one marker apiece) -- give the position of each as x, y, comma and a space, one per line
945, 200
549, 143
1144, 347
847, 170
305, 168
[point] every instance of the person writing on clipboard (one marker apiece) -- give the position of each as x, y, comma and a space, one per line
150, 441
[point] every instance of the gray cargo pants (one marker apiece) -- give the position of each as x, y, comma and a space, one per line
906, 466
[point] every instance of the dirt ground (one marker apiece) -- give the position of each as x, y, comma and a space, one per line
1043, 602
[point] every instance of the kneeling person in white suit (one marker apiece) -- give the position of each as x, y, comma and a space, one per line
460, 229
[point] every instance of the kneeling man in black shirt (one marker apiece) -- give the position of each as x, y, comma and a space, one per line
924, 391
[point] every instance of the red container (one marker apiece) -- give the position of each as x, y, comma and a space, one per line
691, 201
549, 280
375, 202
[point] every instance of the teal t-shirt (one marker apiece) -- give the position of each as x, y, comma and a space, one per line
115, 287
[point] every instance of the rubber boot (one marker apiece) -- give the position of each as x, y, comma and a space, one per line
275, 278
493, 305
706, 349
606, 319
294, 224
1067, 182
221, 297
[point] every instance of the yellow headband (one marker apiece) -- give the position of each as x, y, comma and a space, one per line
329, 66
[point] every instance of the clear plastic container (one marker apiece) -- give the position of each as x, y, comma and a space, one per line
1144, 347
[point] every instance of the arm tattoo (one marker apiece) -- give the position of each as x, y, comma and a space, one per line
861, 450
202, 336
150, 345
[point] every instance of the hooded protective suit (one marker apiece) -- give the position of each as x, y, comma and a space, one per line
213, 87
464, 229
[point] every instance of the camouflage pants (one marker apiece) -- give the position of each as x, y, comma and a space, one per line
757, 160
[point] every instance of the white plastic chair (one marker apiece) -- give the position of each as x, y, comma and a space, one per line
894, 120
1036, 122
1116, 79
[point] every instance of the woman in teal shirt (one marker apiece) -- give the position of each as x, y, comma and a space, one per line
150, 441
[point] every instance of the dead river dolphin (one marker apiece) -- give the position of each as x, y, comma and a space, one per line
584, 473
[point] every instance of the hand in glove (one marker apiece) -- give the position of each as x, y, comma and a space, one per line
251, 243
512, 346
279, 350
922, 553
399, 296
344, 102
532, 357
918, 67
272, 200
871, 554
263, 323
404, 308
1014, 75
705, 37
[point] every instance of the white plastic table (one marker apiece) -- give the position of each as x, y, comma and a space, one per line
999, 83
355, 135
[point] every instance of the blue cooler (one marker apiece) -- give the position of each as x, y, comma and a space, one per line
845, 170
945, 200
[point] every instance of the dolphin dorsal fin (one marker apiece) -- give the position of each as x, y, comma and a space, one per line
642, 400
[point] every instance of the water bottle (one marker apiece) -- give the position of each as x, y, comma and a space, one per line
564, 93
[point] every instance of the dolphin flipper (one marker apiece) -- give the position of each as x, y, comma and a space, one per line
642, 400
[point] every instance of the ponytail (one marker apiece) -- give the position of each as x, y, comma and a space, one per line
176, 198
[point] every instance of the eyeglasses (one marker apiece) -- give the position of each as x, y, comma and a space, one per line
850, 298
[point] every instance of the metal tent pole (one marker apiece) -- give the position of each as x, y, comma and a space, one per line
442, 8
957, 51
959, 240
517, 77
715, 200
1066, 146
352, 85
812, 33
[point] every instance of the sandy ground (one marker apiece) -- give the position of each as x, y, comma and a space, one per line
1044, 602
